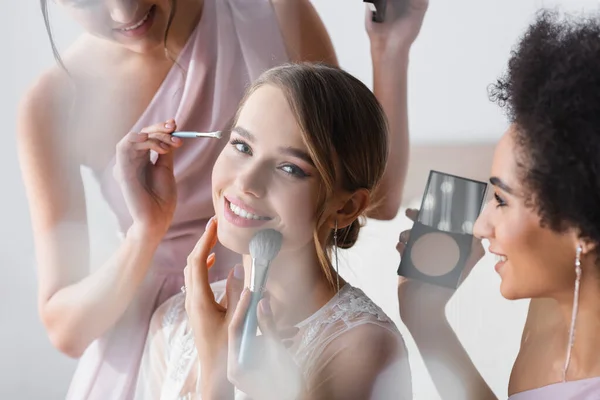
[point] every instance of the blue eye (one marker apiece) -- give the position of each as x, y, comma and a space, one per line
294, 171
241, 146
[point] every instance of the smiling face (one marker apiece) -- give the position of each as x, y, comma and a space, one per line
135, 24
534, 261
265, 178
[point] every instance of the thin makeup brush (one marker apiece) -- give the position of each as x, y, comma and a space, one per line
264, 247
191, 134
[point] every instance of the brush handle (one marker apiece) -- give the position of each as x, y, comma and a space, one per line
249, 330
191, 134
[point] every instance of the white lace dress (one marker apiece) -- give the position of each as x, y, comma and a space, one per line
170, 369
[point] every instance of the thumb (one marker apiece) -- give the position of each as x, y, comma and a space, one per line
234, 288
165, 160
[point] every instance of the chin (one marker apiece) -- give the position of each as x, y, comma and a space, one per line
513, 292
234, 239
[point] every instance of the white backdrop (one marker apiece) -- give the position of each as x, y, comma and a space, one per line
463, 47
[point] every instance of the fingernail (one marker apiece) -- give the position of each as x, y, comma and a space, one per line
209, 223
175, 139
238, 272
164, 146
265, 306
169, 125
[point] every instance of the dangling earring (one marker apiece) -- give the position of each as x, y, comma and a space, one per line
335, 249
574, 312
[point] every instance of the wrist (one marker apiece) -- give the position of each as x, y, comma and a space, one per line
145, 236
390, 51
214, 384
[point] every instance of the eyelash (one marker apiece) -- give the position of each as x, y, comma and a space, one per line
499, 201
293, 171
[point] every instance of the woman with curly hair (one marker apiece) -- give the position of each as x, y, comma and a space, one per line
543, 224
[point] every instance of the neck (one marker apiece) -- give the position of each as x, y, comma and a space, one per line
296, 285
187, 15
584, 361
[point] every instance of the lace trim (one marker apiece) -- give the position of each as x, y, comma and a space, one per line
351, 305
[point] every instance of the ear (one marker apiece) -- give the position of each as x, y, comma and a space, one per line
350, 207
587, 246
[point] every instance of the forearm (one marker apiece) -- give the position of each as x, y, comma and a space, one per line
448, 363
390, 81
79, 313
215, 385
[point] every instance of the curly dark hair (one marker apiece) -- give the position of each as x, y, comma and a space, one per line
551, 93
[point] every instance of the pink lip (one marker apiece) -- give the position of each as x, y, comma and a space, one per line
142, 29
239, 221
499, 265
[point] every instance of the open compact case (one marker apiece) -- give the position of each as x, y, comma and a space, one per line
441, 238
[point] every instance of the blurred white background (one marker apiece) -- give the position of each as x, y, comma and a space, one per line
463, 47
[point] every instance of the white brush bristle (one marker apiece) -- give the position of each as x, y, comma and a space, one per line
265, 245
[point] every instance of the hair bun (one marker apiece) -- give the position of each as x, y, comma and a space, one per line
349, 235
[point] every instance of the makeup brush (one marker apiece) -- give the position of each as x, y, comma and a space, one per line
264, 247
191, 134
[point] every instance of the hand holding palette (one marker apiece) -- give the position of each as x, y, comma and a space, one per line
441, 239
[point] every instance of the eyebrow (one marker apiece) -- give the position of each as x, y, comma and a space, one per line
292, 151
498, 183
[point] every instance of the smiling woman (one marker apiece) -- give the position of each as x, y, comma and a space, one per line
309, 175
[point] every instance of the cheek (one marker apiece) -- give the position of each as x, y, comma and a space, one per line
296, 206
536, 266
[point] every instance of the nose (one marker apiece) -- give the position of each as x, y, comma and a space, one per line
253, 180
483, 228
123, 11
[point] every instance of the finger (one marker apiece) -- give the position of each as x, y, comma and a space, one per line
288, 333
197, 261
151, 144
161, 127
266, 322
400, 248
165, 160
166, 138
412, 214
234, 288
404, 236
187, 286
135, 137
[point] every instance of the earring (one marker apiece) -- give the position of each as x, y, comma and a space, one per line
335, 249
574, 312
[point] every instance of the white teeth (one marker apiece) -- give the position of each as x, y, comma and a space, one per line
138, 24
243, 213
500, 258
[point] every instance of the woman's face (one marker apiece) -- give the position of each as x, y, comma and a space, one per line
139, 25
265, 177
533, 261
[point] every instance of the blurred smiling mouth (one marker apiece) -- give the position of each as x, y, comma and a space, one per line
138, 26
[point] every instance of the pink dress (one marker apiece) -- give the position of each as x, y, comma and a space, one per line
234, 42
584, 389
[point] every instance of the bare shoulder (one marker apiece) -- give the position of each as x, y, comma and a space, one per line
305, 36
368, 361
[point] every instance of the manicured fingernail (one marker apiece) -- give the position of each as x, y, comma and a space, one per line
265, 306
238, 272
209, 223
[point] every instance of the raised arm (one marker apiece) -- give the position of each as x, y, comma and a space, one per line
75, 306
